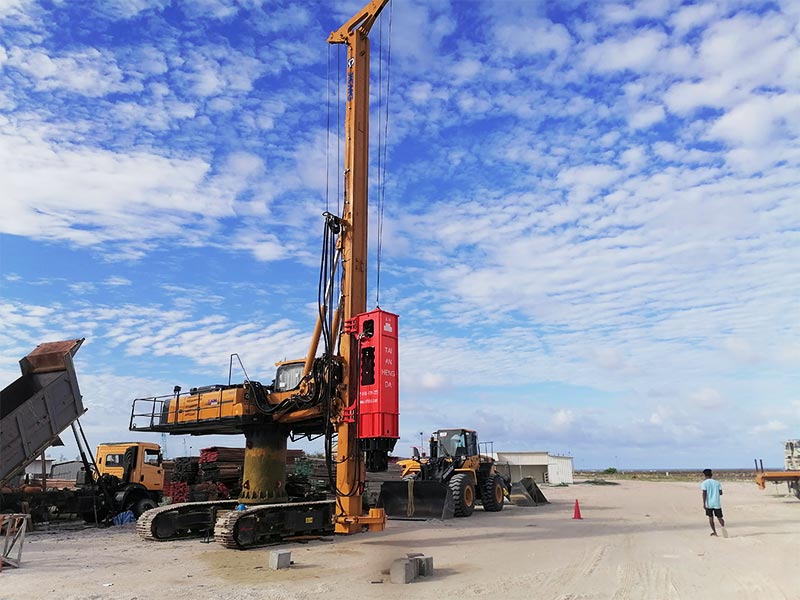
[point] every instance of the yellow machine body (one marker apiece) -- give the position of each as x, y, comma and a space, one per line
216, 404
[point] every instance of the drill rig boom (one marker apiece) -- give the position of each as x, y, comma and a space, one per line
352, 395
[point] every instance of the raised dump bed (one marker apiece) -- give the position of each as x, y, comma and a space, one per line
38, 406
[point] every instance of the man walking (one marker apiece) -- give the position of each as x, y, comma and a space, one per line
712, 502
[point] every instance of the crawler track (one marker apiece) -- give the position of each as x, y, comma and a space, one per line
267, 523
174, 521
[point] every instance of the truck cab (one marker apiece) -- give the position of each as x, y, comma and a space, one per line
133, 463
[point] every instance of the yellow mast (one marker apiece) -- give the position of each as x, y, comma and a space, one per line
353, 245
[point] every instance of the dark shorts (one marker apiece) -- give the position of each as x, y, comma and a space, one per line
714, 512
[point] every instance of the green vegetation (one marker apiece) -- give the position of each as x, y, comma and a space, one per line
672, 475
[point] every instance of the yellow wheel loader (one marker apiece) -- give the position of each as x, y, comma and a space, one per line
447, 483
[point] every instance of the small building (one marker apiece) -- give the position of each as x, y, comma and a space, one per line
34, 468
543, 467
71, 470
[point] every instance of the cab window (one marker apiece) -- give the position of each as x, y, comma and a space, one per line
288, 377
152, 457
471, 443
113, 460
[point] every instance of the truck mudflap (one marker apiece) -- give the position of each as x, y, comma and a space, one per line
416, 500
526, 493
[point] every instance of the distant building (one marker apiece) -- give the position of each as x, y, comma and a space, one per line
542, 466
34, 469
68, 471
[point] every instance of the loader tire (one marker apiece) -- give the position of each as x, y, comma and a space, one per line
493, 494
463, 494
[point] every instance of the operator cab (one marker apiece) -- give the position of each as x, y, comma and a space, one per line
288, 375
456, 442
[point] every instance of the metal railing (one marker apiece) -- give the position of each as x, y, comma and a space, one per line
161, 413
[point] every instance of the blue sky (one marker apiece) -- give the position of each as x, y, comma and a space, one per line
591, 222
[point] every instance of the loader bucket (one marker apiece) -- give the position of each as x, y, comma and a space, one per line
416, 500
519, 496
526, 493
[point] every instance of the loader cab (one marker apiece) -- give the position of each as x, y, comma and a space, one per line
457, 442
132, 462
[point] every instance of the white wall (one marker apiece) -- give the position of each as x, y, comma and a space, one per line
559, 469
542, 466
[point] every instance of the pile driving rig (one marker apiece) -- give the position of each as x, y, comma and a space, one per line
349, 393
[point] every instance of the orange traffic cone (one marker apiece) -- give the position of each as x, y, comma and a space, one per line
577, 513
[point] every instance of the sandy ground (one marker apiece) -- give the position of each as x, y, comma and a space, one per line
637, 540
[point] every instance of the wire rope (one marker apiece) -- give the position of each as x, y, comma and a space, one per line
383, 145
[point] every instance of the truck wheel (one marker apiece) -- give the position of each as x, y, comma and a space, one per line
463, 494
492, 494
143, 506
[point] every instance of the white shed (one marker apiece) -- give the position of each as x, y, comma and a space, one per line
34, 468
542, 466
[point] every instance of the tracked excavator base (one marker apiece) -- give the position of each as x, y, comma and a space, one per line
238, 529
268, 523
187, 519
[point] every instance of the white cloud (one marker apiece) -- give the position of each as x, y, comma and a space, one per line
768, 427
88, 196
760, 120
562, 418
466, 69
636, 53
433, 381
644, 9
116, 281
127, 9
88, 72
708, 398
526, 38
14, 8
647, 116
217, 9
82, 287
690, 17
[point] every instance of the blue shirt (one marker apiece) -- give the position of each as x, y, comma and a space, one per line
713, 490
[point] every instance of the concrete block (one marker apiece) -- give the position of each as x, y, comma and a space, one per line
425, 566
280, 559
414, 567
402, 571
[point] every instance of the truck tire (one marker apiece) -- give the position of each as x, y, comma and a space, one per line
463, 494
492, 494
143, 506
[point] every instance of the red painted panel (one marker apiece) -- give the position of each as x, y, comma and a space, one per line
378, 392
